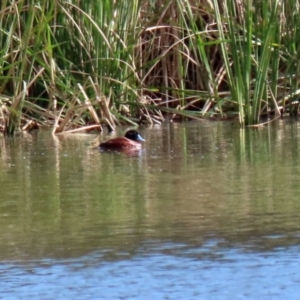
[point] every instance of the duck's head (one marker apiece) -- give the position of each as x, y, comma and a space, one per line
134, 136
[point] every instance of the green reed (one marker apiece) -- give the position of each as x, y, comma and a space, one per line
49, 50
76, 64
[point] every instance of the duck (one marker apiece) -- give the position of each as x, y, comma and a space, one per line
132, 140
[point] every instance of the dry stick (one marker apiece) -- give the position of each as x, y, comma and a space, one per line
29, 124
16, 101
109, 118
90, 107
264, 123
19, 97
2, 108
35, 77
38, 74
4, 112
40, 111
80, 129
47, 113
107, 111
165, 79
52, 85
287, 97
57, 128
66, 119
274, 101
192, 102
142, 101
157, 112
80, 110
147, 115
103, 104
277, 109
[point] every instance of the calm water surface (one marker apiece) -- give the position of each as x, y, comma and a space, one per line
205, 211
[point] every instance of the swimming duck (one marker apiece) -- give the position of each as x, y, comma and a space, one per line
131, 140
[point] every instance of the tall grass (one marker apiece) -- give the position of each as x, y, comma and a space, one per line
250, 53
241, 57
76, 64
69, 64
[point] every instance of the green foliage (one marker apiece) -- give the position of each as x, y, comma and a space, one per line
250, 53
72, 64
49, 49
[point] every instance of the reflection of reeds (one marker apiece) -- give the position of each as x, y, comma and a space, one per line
196, 182
76, 64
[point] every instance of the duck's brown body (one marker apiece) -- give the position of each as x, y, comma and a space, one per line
120, 143
131, 140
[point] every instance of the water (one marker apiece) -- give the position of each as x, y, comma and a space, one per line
205, 211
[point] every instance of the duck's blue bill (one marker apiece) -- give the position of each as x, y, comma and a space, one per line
139, 138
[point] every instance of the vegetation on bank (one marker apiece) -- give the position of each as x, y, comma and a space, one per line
82, 64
